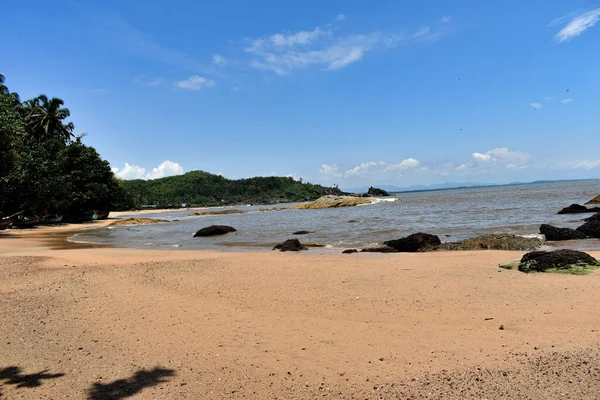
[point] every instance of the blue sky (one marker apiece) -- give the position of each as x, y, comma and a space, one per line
347, 92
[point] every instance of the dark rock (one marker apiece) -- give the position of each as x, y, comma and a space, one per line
379, 249
301, 233
553, 233
502, 241
595, 217
561, 259
349, 251
591, 229
415, 242
290, 245
376, 192
353, 220
573, 209
214, 230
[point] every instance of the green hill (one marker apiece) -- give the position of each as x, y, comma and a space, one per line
199, 188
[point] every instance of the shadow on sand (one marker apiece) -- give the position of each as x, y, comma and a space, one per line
123, 388
14, 376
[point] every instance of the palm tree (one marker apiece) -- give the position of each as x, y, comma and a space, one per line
45, 119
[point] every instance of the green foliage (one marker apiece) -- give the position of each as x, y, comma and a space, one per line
205, 189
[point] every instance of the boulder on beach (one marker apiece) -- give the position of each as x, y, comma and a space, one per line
378, 249
138, 221
301, 233
591, 229
553, 233
595, 200
333, 201
217, 212
376, 192
290, 245
557, 260
349, 251
494, 242
414, 243
214, 230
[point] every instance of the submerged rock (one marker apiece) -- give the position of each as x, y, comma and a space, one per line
540, 261
290, 245
494, 242
553, 233
595, 200
301, 233
332, 201
349, 251
218, 212
414, 243
376, 192
214, 230
591, 229
138, 221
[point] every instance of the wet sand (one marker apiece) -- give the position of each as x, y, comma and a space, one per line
106, 323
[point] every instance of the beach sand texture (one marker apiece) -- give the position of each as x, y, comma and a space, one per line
159, 324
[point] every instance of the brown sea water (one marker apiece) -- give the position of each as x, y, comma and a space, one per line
451, 214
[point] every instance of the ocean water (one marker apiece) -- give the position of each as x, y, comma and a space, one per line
451, 214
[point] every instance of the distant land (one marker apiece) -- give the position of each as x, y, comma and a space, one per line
456, 185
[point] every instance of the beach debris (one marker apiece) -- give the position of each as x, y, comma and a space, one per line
489, 319
564, 260
555, 234
502, 328
214, 230
595, 200
290, 245
378, 249
218, 212
591, 229
349, 251
333, 201
577, 209
138, 221
503, 241
414, 243
301, 233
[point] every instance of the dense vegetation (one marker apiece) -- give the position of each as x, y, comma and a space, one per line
202, 188
45, 168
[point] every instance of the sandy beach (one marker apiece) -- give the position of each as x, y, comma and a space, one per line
89, 322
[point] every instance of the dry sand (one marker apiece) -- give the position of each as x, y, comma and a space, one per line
104, 323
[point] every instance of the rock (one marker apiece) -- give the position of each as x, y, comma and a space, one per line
415, 242
595, 200
301, 233
138, 221
378, 249
349, 251
332, 201
218, 212
290, 245
574, 209
595, 217
591, 229
494, 242
376, 192
214, 230
540, 261
553, 233
353, 220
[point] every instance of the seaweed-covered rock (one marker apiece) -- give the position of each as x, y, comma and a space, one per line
331, 201
379, 249
214, 230
554, 234
574, 209
349, 251
595, 200
290, 245
540, 261
591, 229
494, 242
415, 242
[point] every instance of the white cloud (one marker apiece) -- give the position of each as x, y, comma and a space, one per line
536, 106
340, 17
166, 168
219, 60
482, 157
446, 19
500, 157
322, 47
381, 167
195, 82
329, 171
566, 101
588, 164
577, 25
